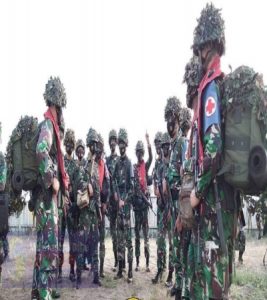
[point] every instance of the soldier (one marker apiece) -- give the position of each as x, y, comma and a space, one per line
54, 178
71, 168
258, 222
213, 236
90, 214
173, 182
81, 163
104, 182
139, 205
164, 218
123, 188
112, 205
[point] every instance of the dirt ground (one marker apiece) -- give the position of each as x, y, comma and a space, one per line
250, 280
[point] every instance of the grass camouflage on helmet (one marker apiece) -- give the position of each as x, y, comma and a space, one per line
69, 137
55, 93
91, 136
80, 143
165, 139
185, 118
112, 134
172, 108
209, 30
139, 146
158, 137
123, 136
192, 79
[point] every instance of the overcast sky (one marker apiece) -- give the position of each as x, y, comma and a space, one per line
119, 60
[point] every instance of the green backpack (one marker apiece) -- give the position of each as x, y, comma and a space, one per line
22, 167
245, 126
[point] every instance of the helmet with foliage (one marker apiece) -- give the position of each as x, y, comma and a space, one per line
185, 119
209, 30
91, 136
172, 108
192, 79
112, 135
55, 93
139, 146
158, 137
123, 136
165, 139
69, 137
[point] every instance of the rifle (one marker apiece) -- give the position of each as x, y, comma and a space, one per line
139, 191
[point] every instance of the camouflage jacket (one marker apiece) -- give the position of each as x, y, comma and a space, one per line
177, 156
111, 162
3, 172
70, 167
46, 153
123, 176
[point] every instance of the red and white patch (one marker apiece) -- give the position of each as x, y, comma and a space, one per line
210, 106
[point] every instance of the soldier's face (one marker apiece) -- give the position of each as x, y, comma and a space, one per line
122, 147
165, 150
112, 144
93, 147
80, 153
99, 151
69, 148
140, 155
158, 147
172, 126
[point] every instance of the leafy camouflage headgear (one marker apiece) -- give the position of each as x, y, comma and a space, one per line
123, 136
112, 134
172, 108
139, 146
80, 143
165, 138
158, 137
100, 139
209, 30
91, 136
69, 137
55, 93
192, 79
185, 119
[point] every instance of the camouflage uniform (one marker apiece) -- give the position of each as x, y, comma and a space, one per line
164, 225
104, 197
209, 268
46, 210
140, 207
112, 206
88, 235
178, 147
123, 185
71, 218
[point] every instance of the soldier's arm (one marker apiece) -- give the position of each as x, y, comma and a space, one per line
212, 139
106, 187
150, 158
44, 144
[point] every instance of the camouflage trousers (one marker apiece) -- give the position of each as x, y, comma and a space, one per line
209, 271
102, 234
164, 228
113, 227
88, 239
124, 233
141, 221
61, 236
46, 246
241, 242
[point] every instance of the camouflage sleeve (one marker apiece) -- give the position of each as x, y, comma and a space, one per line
3, 172
212, 152
114, 182
44, 144
184, 146
106, 187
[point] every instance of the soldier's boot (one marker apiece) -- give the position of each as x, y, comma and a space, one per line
119, 274
115, 262
178, 295
137, 264
130, 273
72, 273
35, 294
78, 279
158, 276
147, 264
168, 282
97, 279
59, 276
102, 275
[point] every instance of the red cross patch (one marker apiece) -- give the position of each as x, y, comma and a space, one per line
210, 106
